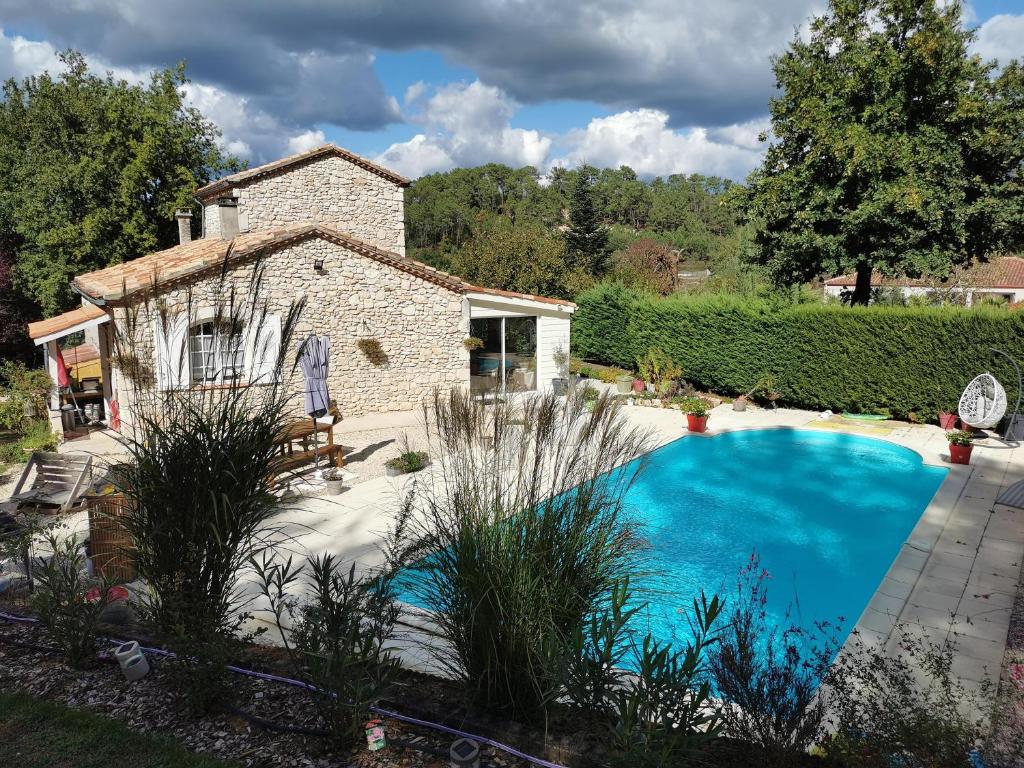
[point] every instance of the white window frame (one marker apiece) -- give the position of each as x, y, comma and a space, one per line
218, 354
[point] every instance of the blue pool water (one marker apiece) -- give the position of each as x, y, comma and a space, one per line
826, 512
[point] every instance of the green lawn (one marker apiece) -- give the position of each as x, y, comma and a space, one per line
41, 734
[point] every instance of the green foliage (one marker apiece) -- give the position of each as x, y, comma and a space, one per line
523, 257
959, 437
771, 674
649, 265
894, 148
44, 734
902, 704
91, 171
696, 406
586, 240
692, 216
38, 435
522, 535
664, 715
21, 389
860, 359
336, 637
410, 461
67, 602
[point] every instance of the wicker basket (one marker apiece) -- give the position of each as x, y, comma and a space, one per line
113, 553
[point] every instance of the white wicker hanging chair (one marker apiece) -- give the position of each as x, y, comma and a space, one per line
983, 403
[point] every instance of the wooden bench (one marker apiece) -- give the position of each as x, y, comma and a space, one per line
300, 432
59, 482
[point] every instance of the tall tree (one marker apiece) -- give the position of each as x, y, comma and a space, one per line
91, 171
586, 240
894, 148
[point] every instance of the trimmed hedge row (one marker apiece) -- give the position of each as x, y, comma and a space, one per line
864, 359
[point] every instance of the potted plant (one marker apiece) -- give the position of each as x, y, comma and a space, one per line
947, 420
590, 395
960, 446
472, 342
638, 385
697, 411
561, 359
410, 461
623, 383
334, 481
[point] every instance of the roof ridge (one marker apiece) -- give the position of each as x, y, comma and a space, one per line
280, 164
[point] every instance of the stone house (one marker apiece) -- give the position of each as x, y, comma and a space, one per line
327, 227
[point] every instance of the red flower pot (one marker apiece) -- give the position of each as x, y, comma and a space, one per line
960, 454
638, 385
947, 420
696, 423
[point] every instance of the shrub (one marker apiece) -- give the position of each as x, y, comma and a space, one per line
959, 437
522, 534
696, 406
21, 386
410, 461
337, 637
903, 359
902, 708
664, 714
771, 674
67, 602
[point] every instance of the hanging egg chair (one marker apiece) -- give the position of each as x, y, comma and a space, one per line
983, 403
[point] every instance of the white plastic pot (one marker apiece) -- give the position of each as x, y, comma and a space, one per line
127, 652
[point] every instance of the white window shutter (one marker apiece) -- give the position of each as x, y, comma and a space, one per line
170, 355
266, 348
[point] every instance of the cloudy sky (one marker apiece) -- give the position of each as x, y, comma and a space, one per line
664, 86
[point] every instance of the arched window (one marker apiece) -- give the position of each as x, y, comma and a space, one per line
216, 353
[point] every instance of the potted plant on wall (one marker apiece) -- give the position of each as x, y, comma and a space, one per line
697, 412
947, 420
472, 343
960, 446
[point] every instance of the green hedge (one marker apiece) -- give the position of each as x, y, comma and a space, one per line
865, 359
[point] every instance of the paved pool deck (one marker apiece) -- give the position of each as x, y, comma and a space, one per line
955, 578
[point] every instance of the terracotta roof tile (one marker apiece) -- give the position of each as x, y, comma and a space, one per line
1001, 272
115, 283
284, 163
62, 322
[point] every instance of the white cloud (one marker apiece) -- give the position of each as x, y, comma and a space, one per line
463, 125
306, 141
20, 58
1002, 38
642, 140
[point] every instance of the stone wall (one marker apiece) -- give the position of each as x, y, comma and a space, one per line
329, 190
419, 325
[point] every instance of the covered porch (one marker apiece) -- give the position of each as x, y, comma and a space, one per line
86, 399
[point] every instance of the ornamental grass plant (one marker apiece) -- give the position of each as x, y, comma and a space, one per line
522, 535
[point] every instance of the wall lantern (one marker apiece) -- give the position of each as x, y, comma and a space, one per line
318, 264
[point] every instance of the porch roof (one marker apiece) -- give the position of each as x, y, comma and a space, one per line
79, 319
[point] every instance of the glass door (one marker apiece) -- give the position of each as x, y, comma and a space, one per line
506, 361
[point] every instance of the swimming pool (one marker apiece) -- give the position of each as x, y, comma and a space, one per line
827, 513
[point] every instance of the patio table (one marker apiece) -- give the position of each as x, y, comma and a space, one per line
300, 431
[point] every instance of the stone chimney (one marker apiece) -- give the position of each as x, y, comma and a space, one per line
184, 217
228, 209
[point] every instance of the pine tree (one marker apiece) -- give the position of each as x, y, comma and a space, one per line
586, 241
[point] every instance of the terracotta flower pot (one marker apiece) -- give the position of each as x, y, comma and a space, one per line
947, 420
696, 423
960, 454
638, 385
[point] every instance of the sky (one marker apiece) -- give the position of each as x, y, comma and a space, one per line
664, 86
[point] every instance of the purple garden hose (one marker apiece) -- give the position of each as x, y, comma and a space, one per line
375, 710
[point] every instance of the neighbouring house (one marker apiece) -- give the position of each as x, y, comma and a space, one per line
1001, 279
326, 226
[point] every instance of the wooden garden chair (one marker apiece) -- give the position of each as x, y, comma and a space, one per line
58, 481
